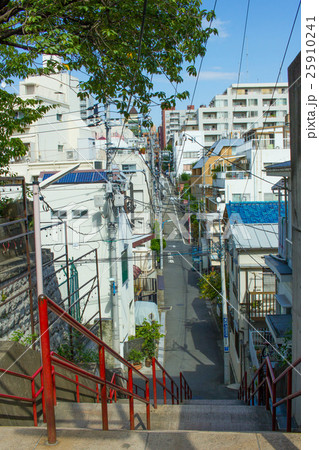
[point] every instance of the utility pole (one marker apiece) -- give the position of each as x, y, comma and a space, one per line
111, 233
224, 304
160, 209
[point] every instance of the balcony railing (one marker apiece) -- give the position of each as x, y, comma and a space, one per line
259, 340
259, 304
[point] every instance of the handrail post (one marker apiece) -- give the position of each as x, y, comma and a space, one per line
172, 390
164, 387
245, 387
181, 386
267, 388
97, 394
54, 385
154, 382
47, 369
34, 404
115, 391
77, 389
103, 388
273, 407
259, 388
148, 406
43, 400
289, 390
131, 400
177, 394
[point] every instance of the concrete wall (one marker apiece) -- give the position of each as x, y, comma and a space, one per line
13, 356
15, 315
294, 73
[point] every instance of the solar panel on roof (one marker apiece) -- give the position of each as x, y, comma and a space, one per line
99, 176
69, 178
84, 177
46, 176
79, 177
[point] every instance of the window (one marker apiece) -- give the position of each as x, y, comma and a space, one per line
59, 117
252, 102
129, 168
269, 197
241, 197
60, 148
269, 282
29, 89
124, 261
79, 213
58, 214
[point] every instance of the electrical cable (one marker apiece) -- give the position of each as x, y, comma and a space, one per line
273, 93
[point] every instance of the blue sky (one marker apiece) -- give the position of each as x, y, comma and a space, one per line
268, 29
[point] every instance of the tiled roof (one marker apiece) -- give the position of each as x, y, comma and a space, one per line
254, 212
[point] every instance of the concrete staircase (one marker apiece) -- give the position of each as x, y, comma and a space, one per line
194, 425
199, 415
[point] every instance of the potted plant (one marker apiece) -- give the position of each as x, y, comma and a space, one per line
149, 348
136, 356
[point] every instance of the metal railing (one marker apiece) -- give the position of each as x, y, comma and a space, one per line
48, 359
173, 390
259, 304
185, 390
264, 385
34, 394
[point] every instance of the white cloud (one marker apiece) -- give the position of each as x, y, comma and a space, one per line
211, 75
220, 25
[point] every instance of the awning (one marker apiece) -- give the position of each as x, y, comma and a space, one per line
283, 301
136, 272
279, 325
141, 239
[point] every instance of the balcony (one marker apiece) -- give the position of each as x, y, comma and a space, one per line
258, 305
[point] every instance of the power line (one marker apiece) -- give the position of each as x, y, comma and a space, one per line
273, 93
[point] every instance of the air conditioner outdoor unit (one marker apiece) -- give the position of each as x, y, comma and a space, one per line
69, 155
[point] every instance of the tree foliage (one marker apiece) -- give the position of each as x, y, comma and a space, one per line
118, 45
210, 287
15, 115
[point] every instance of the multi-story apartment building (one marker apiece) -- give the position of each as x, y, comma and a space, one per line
240, 108
242, 177
67, 131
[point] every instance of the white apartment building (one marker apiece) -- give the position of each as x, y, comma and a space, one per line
240, 108
243, 177
79, 199
66, 132
188, 148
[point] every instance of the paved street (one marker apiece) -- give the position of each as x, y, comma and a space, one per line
191, 344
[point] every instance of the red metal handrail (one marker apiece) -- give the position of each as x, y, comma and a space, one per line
34, 394
47, 359
166, 390
184, 387
269, 382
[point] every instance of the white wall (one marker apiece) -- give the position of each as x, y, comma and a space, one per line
89, 233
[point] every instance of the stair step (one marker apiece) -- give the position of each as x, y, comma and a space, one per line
213, 402
31, 438
203, 417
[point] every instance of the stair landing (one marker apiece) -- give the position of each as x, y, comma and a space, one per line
67, 439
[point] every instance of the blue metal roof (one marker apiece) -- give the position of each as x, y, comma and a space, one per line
254, 212
78, 177
200, 163
217, 146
